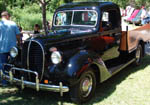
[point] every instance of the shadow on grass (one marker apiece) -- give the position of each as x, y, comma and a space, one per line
104, 90
31, 97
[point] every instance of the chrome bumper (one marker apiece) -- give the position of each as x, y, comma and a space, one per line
35, 85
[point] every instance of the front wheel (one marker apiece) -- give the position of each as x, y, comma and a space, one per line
138, 55
85, 88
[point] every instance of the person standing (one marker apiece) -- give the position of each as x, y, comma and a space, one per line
143, 16
9, 35
36, 29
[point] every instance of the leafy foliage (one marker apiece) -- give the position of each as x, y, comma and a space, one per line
121, 3
34, 8
25, 19
134, 3
28, 16
2, 6
54, 4
28, 12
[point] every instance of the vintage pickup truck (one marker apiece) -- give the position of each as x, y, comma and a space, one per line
85, 47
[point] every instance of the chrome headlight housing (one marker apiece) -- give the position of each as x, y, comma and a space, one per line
56, 57
13, 52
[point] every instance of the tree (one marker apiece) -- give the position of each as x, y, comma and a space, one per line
68, 1
54, 4
44, 3
2, 6
121, 3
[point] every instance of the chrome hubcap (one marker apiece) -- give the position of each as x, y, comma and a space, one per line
138, 54
86, 86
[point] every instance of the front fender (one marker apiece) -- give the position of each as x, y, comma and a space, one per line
77, 61
84, 59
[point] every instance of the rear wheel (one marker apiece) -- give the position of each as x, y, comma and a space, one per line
138, 55
85, 88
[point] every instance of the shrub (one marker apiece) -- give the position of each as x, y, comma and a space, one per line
34, 8
26, 18
2, 7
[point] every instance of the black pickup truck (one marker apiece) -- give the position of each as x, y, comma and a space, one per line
85, 47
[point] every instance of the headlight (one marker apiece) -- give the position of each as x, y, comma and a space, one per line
56, 57
13, 52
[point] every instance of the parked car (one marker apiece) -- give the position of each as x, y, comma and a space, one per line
85, 47
137, 19
133, 16
129, 13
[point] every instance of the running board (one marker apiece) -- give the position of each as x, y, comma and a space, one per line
116, 69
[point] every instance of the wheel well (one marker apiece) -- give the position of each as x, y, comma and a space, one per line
96, 72
143, 48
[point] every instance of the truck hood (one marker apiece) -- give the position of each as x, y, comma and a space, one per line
66, 34
72, 31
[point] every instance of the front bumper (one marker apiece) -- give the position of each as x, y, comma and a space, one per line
35, 85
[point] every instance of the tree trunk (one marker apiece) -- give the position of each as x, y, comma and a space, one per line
44, 18
44, 4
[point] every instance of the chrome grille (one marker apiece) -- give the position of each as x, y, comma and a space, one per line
24, 54
33, 57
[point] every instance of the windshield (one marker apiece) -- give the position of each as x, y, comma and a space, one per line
76, 18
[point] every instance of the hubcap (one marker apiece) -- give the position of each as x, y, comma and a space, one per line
86, 86
138, 54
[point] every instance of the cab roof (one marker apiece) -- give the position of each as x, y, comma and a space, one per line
84, 5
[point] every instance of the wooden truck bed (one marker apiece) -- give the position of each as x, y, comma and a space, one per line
130, 39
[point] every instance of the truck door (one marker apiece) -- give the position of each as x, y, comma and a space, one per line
110, 34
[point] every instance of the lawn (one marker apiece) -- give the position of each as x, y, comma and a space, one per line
130, 86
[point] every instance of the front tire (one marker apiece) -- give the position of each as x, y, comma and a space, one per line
85, 88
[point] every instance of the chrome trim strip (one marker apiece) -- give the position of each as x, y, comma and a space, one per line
11, 77
28, 54
43, 55
25, 70
1, 74
22, 83
130, 51
43, 58
73, 17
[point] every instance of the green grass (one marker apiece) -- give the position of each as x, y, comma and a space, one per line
130, 86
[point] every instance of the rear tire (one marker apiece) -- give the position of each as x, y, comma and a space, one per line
85, 88
138, 55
